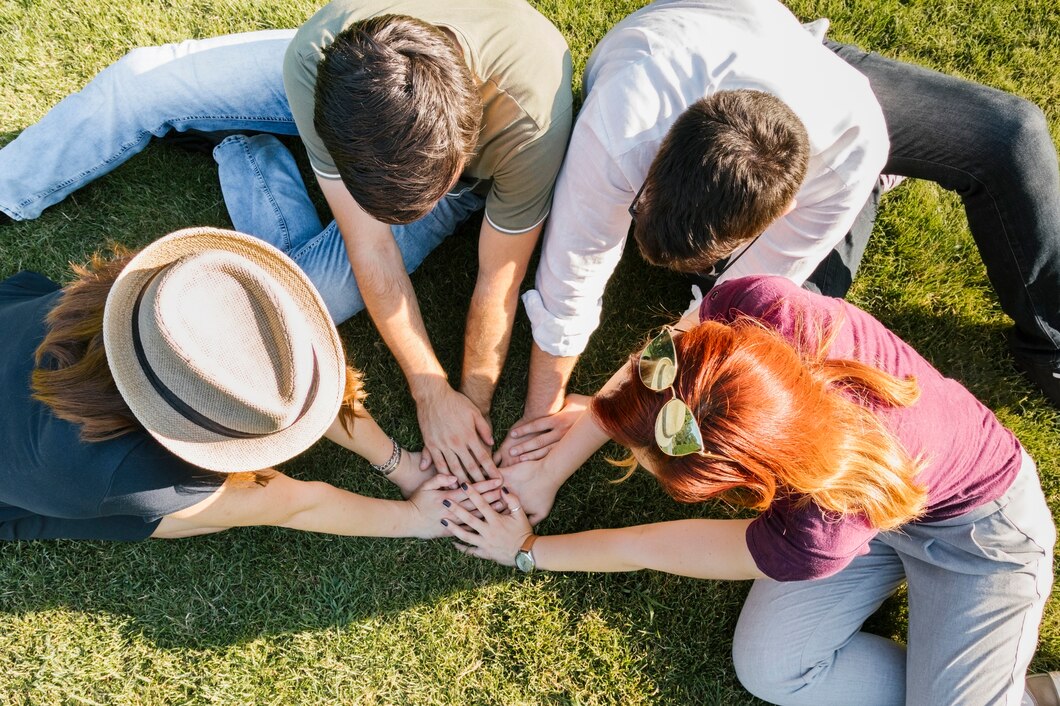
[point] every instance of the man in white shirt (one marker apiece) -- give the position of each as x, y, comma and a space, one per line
862, 113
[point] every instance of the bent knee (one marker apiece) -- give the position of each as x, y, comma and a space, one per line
765, 668
1018, 130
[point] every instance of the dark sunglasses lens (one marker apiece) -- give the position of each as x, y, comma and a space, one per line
658, 362
676, 430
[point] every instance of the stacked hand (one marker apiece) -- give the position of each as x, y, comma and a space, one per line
433, 502
531, 438
489, 533
457, 439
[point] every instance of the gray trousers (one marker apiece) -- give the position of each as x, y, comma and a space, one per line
977, 585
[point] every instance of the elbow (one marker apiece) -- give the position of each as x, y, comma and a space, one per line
300, 505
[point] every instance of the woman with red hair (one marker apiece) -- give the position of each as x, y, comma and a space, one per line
868, 469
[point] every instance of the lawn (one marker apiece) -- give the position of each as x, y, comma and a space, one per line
273, 616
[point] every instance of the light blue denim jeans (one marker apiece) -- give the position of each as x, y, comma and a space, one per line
977, 585
232, 83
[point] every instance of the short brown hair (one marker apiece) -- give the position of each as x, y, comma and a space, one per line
399, 112
728, 167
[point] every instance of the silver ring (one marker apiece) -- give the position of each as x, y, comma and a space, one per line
514, 510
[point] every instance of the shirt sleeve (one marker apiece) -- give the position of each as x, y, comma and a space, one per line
826, 205
299, 82
521, 194
152, 483
584, 238
791, 543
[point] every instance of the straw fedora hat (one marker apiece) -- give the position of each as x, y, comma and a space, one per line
223, 350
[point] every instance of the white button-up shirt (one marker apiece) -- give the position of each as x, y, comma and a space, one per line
640, 78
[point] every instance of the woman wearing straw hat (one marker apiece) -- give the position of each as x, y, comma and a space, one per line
869, 469
152, 396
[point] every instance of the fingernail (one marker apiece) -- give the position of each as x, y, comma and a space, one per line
505, 489
515, 435
447, 503
445, 523
463, 486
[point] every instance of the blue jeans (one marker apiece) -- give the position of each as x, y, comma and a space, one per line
994, 150
232, 83
977, 585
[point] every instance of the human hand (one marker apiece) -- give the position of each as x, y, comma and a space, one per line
490, 534
456, 437
535, 485
433, 499
531, 439
410, 473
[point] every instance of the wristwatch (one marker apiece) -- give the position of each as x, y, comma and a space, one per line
524, 558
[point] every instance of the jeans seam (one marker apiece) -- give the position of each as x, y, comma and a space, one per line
311, 245
264, 187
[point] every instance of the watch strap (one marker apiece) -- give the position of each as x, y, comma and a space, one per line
528, 543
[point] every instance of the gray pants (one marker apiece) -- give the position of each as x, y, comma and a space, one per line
977, 585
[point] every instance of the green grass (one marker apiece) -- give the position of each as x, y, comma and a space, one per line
277, 617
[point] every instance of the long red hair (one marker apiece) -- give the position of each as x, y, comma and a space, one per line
775, 421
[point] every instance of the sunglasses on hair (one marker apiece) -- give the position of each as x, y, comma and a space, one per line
676, 429
721, 265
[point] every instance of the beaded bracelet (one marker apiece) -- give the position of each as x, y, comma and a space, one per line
392, 463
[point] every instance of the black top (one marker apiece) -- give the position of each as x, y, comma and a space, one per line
53, 485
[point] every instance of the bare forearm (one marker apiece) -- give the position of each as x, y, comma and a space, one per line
391, 302
583, 440
488, 336
708, 549
547, 382
335, 511
386, 289
286, 502
366, 438
502, 263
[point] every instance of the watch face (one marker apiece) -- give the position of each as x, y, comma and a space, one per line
524, 562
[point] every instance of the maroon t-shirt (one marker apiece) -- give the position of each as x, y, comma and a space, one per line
971, 458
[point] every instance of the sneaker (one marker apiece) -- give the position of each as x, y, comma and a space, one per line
1044, 374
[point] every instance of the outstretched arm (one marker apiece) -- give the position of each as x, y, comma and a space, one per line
318, 507
707, 549
502, 263
455, 433
547, 413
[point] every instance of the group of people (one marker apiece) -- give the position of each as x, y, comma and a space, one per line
153, 395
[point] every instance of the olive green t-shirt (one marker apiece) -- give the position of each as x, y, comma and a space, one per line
523, 69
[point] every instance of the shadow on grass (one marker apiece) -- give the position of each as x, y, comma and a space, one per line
212, 592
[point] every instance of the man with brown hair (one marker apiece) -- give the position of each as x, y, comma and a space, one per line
730, 166
415, 114
863, 115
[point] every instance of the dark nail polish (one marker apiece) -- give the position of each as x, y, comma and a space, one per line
445, 523
505, 489
463, 486
447, 503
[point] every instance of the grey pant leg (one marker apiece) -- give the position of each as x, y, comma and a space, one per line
800, 642
977, 588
